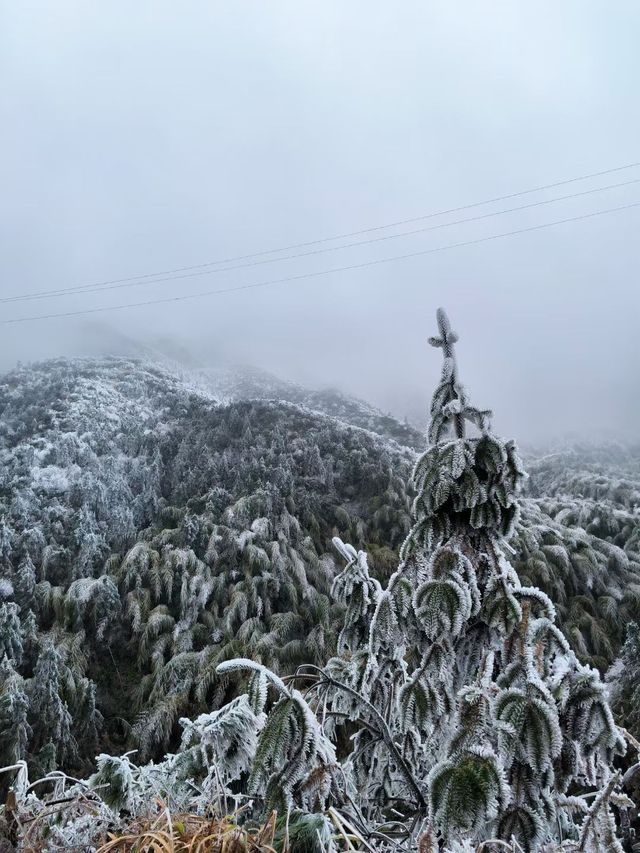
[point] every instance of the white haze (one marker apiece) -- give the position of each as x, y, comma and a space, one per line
146, 136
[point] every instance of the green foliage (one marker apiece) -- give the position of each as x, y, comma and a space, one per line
305, 833
467, 792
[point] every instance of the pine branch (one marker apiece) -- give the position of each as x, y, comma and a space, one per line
602, 801
385, 734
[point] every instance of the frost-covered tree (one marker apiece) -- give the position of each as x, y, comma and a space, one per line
593, 583
49, 713
25, 582
30, 641
87, 720
10, 633
14, 728
94, 603
624, 680
6, 546
471, 710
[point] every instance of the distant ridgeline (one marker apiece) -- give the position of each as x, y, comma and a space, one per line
149, 532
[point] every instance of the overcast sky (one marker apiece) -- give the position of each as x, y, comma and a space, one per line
145, 136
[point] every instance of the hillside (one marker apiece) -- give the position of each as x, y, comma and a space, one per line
151, 529
251, 383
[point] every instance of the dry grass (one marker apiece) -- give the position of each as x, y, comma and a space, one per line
188, 833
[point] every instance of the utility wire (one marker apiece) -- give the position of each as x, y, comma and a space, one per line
302, 276
50, 294
113, 284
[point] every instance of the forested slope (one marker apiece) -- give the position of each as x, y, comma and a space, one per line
233, 384
150, 531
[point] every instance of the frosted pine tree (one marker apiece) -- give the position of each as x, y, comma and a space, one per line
87, 719
624, 679
10, 633
474, 718
492, 710
14, 729
25, 582
49, 712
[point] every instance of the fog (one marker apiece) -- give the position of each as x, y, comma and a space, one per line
150, 136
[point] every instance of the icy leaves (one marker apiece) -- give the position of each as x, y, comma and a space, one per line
292, 751
465, 484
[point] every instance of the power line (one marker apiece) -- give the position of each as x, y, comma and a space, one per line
111, 283
118, 285
317, 274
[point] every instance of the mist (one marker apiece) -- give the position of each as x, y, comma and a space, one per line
144, 137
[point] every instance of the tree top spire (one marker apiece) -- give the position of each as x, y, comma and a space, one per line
449, 406
447, 336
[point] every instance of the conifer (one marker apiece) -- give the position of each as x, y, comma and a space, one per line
14, 729
470, 709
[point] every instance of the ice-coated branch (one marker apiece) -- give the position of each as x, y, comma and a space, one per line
240, 664
385, 734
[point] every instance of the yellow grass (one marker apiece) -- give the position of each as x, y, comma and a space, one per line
188, 833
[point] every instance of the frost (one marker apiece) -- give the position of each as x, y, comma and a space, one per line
52, 478
146, 529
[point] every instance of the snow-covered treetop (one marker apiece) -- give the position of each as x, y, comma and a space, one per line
449, 405
463, 484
